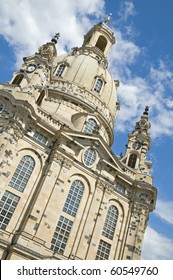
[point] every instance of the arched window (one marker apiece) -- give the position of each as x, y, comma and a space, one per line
22, 173
60, 70
18, 79
40, 98
110, 222
98, 85
90, 125
101, 43
132, 160
73, 198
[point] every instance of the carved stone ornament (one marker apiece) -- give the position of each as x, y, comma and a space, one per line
100, 185
58, 157
137, 210
47, 51
67, 164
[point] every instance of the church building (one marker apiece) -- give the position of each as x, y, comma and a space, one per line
64, 194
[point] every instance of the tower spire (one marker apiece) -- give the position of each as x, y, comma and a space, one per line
56, 38
143, 124
146, 110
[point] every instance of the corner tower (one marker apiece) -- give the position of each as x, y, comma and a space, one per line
138, 147
64, 194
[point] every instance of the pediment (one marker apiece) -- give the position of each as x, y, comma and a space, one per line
84, 140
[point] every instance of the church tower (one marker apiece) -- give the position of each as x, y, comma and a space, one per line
63, 192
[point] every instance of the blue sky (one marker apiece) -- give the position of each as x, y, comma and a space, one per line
142, 60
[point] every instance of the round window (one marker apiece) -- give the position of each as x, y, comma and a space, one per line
2, 106
89, 156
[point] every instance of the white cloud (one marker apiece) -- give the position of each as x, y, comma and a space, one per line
27, 24
127, 9
124, 53
156, 246
136, 92
165, 210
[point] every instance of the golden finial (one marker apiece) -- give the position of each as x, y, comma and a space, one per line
108, 18
146, 110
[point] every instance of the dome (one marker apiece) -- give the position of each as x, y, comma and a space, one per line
85, 70
77, 87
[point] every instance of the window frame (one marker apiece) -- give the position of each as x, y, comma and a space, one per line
8, 204
22, 173
110, 222
103, 254
63, 64
119, 188
90, 127
96, 85
61, 235
36, 136
89, 157
74, 198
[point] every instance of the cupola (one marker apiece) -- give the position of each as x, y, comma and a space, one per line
100, 38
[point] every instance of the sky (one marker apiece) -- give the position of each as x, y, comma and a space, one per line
141, 59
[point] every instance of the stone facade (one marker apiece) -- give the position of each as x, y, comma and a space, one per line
64, 194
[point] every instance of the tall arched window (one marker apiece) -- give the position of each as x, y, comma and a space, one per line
60, 70
101, 43
22, 173
40, 98
98, 85
110, 222
18, 79
64, 225
73, 198
132, 160
90, 125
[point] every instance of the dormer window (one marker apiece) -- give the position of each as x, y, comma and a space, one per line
90, 126
60, 70
98, 85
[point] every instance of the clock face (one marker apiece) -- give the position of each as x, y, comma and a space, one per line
136, 145
31, 68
